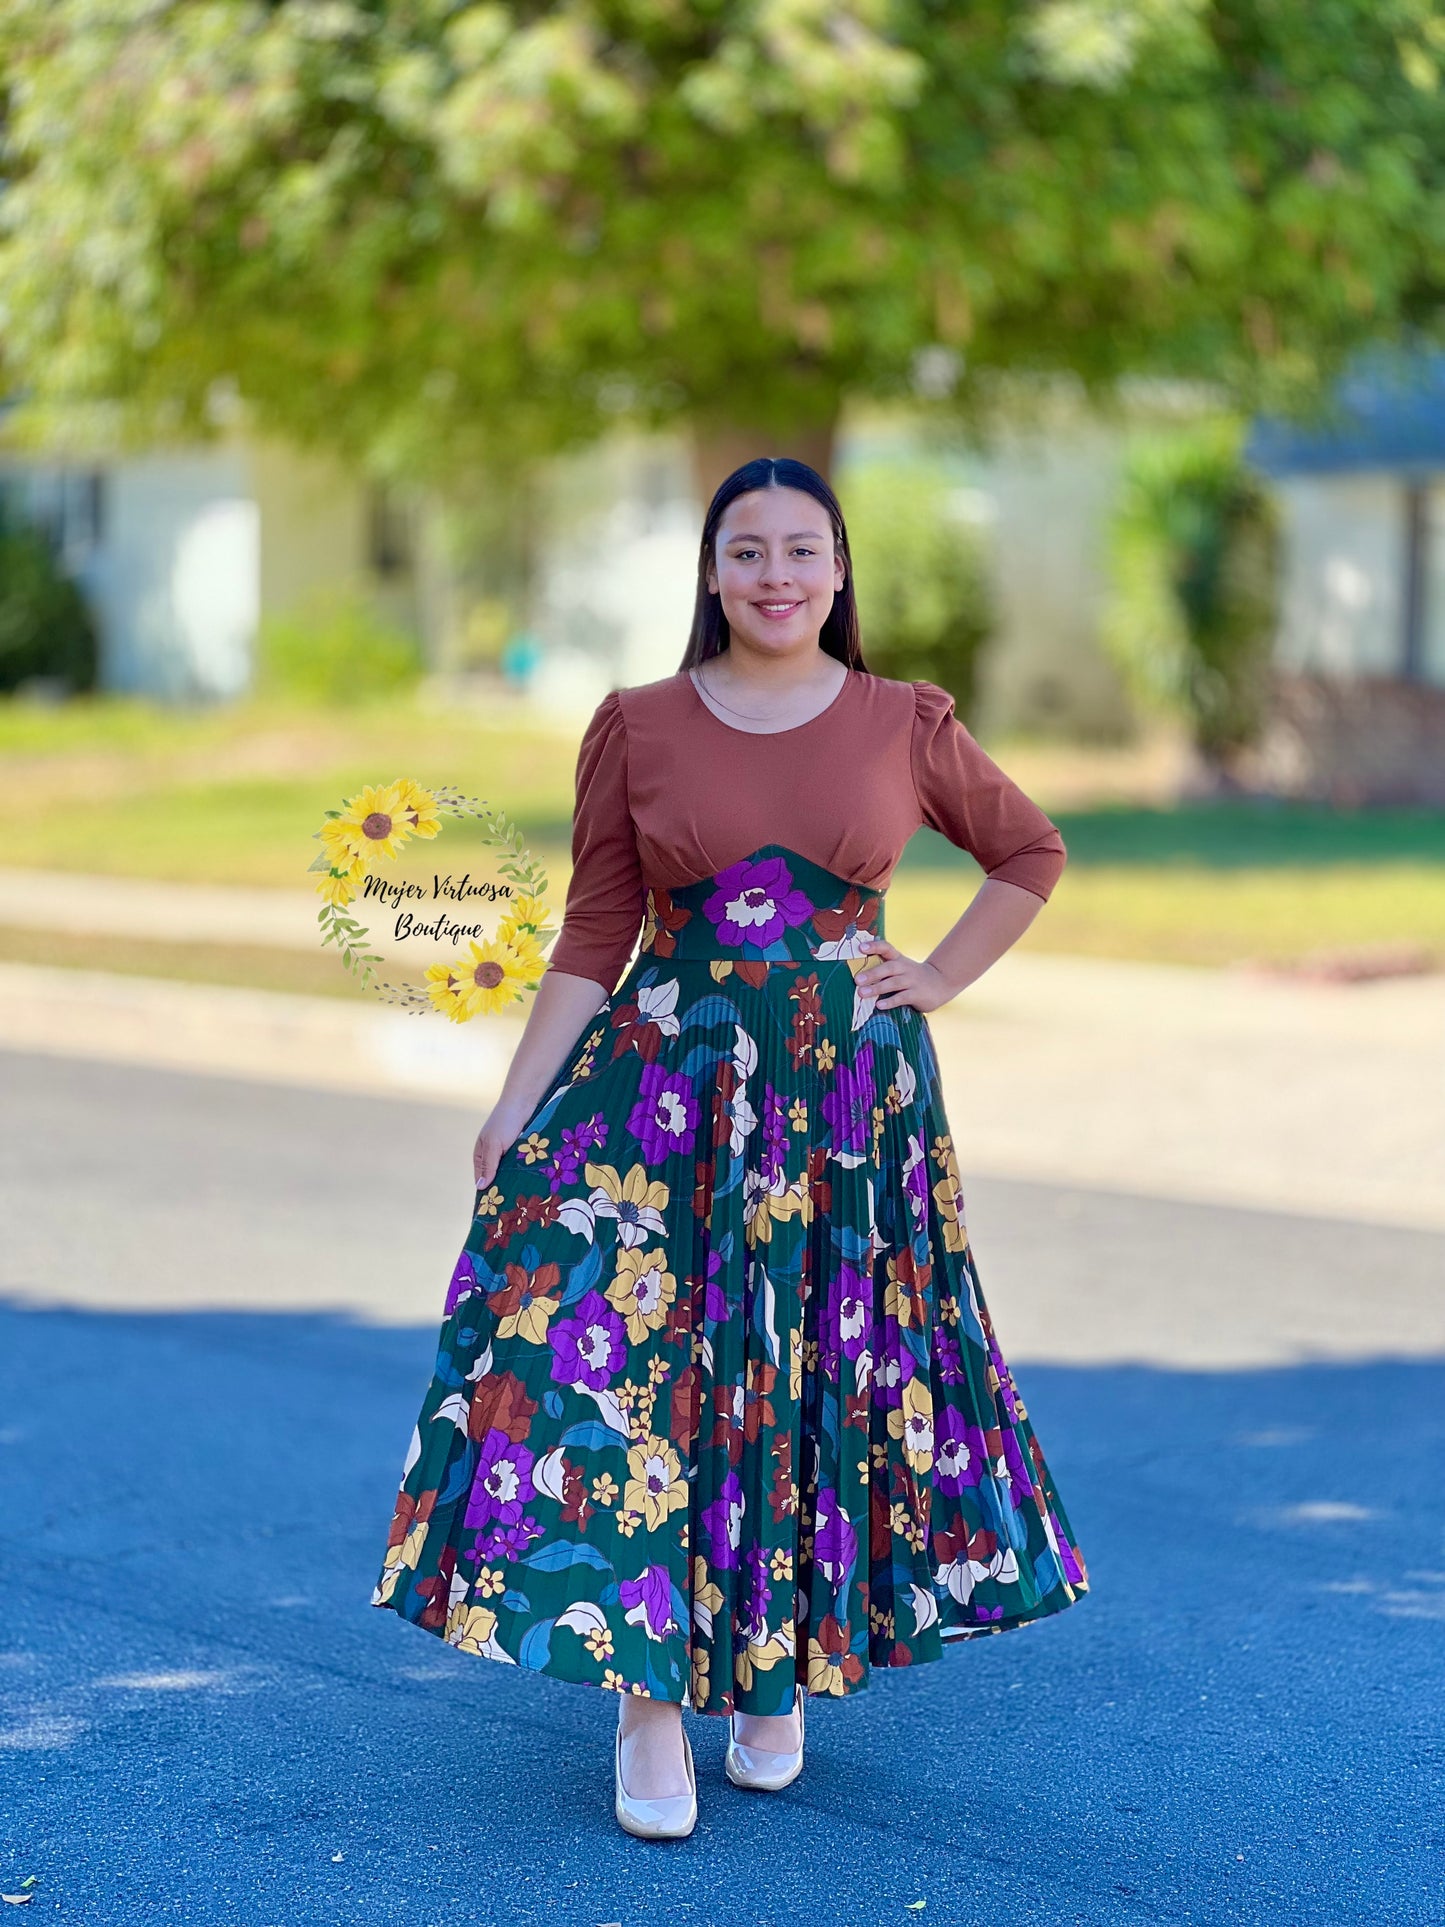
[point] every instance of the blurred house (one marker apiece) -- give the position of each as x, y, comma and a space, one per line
183, 553
1359, 705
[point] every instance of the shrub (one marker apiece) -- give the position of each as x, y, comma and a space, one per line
1195, 564
924, 603
334, 649
46, 630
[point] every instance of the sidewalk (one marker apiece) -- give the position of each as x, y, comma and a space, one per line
1155, 1079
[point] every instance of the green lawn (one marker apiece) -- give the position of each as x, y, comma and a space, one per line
233, 796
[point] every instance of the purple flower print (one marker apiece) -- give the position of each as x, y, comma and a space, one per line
579, 1142
722, 1523
959, 1452
589, 1348
948, 1356
755, 903
756, 1592
664, 1118
848, 1107
464, 1280
775, 1137
648, 1601
1005, 1387
846, 1325
715, 1299
508, 1542
1020, 1473
1073, 1571
894, 1365
835, 1543
502, 1483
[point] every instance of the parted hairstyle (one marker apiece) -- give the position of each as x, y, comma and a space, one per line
839, 634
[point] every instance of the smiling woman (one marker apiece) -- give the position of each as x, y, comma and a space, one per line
719, 1415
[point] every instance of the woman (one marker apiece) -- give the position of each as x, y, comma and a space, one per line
718, 1412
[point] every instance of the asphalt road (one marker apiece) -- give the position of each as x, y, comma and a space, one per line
204, 1721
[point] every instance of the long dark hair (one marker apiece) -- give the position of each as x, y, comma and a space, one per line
839, 634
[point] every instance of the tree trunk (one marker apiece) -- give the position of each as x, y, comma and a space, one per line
719, 447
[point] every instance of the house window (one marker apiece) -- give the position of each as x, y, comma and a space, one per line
66, 505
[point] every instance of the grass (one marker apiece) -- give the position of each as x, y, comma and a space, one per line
233, 796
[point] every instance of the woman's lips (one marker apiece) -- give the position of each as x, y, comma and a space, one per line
777, 611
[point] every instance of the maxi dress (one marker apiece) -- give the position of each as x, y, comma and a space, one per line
718, 1407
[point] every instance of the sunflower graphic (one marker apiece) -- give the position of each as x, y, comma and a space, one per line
375, 823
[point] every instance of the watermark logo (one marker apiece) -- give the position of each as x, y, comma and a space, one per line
369, 832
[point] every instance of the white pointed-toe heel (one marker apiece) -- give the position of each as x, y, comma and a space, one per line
757, 1766
672, 1818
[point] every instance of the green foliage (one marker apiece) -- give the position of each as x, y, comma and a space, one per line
1195, 560
334, 650
430, 233
924, 600
46, 629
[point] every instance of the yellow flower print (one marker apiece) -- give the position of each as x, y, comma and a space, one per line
795, 1363
470, 1628
390, 1574
637, 1201
655, 1485
614, 1681
825, 1054
948, 1196
599, 1642
490, 1202
798, 1113
704, 1591
604, 1489
782, 1563
642, 1291
628, 1522
881, 1621
701, 1668
759, 1656
533, 1148
489, 1582
656, 1370
948, 1308
534, 1313
373, 825
912, 1421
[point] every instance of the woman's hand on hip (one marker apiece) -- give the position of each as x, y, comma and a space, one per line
897, 979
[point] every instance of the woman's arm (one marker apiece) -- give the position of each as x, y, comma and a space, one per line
993, 922
560, 1011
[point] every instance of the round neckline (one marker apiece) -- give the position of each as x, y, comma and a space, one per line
792, 728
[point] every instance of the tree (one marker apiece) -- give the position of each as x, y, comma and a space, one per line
1196, 560
435, 234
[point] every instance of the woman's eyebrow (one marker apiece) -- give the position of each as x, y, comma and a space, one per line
797, 536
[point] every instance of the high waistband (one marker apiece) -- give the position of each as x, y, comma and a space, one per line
772, 905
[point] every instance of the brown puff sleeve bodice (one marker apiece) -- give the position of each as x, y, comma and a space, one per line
668, 793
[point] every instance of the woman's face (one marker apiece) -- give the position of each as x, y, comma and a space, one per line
775, 569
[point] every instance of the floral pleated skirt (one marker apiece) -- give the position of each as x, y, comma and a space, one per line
718, 1406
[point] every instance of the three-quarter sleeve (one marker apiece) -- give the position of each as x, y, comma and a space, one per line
606, 896
963, 793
